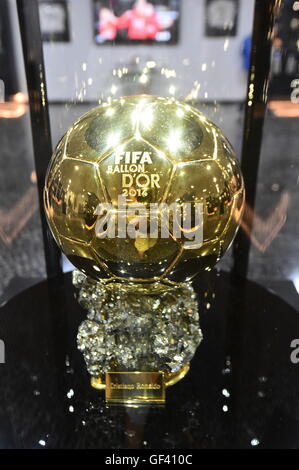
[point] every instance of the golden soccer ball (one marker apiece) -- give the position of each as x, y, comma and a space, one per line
122, 169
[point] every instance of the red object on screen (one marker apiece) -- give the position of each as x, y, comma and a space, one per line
142, 21
108, 24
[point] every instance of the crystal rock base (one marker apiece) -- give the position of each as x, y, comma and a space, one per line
129, 331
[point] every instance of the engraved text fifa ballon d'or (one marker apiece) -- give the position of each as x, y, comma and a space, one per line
144, 189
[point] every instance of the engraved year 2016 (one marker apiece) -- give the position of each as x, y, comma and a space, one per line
132, 192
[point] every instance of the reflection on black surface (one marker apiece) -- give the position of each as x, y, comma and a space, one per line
241, 391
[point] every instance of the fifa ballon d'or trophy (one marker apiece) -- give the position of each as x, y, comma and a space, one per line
142, 194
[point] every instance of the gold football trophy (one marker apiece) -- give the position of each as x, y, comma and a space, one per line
142, 194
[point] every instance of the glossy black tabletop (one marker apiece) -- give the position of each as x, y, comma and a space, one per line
242, 390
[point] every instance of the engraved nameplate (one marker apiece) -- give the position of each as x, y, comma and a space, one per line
135, 387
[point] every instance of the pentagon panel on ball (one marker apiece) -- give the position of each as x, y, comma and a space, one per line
144, 189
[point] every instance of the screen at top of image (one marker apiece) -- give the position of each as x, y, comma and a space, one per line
136, 21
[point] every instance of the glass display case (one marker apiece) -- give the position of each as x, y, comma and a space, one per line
149, 288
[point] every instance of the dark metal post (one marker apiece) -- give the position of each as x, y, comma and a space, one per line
7, 52
258, 81
40, 124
